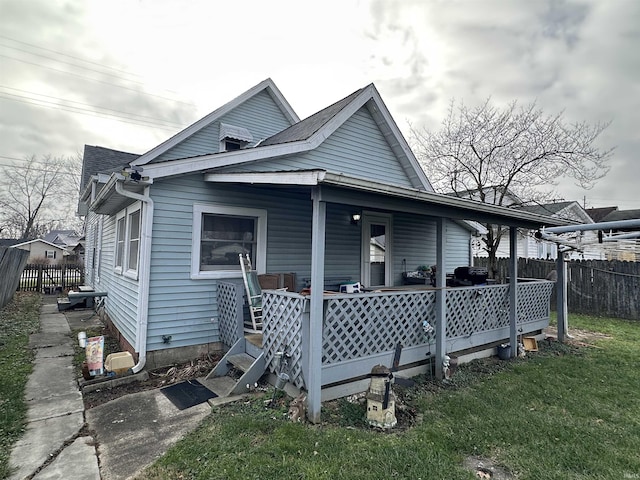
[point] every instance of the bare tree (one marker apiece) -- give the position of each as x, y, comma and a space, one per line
508, 156
36, 193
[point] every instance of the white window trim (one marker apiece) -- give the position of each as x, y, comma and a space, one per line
119, 268
131, 273
123, 269
261, 239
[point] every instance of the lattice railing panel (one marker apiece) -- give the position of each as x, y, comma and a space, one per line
533, 300
476, 309
282, 329
357, 326
227, 312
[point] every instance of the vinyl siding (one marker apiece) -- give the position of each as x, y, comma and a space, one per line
260, 115
186, 308
122, 299
357, 148
458, 248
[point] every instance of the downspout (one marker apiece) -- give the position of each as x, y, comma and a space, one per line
144, 268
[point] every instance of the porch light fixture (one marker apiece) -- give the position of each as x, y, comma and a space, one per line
355, 219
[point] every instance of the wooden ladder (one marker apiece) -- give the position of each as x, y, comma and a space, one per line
246, 356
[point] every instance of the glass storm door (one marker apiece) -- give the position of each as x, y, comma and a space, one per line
376, 250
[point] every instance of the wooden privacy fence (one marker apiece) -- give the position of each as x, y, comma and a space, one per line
51, 278
609, 288
12, 261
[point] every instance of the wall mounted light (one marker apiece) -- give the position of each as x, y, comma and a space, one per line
355, 219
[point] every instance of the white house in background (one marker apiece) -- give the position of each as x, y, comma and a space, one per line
528, 245
627, 249
587, 244
40, 250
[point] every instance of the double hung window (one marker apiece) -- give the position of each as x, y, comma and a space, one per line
221, 234
127, 248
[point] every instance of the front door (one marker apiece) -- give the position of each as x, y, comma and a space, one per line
376, 250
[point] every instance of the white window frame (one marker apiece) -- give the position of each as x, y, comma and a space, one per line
123, 268
133, 272
260, 263
118, 267
52, 252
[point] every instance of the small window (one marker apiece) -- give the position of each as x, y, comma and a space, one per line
231, 145
127, 248
133, 240
221, 234
50, 253
120, 228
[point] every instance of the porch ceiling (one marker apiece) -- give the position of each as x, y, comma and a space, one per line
338, 188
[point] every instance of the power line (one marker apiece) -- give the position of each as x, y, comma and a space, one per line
72, 64
88, 113
70, 56
97, 80
129, 115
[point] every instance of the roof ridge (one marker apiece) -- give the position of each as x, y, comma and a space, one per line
307, 127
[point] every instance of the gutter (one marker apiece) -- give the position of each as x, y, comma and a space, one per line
144, 267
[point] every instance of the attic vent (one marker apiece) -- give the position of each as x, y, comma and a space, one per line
235, 133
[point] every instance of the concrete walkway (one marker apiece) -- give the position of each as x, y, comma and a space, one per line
131, 432
53, 445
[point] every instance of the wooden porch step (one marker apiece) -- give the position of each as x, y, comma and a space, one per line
254, 339
221, 386
242, 361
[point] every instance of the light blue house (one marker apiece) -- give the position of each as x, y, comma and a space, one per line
164, 230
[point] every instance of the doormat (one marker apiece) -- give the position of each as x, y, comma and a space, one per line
187, 394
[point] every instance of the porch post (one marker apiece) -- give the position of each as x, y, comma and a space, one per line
441, 297
561, 297
513, 290
316, 314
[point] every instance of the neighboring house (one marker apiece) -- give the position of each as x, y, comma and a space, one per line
627, 249
528, 245
41, 250
163, 234
70, 240
586, 243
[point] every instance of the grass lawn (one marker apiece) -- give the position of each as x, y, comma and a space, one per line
18, 319
566, 412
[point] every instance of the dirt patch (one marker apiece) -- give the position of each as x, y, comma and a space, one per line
157, 379
582, 338
486, 468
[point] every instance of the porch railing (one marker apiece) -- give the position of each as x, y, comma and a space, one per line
362, 330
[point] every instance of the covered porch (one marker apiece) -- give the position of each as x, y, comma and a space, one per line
358, 331
334, 338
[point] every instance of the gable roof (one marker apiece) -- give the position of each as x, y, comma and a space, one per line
266, 85
547, 208
102, 160
306, 136
598, 214
310, 125
618, 215
54, 235
18, 245
566, 209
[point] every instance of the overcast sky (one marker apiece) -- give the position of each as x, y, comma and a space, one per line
152, 67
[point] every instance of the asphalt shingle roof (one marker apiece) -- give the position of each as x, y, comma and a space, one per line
310, 125
546, 209
102, 160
